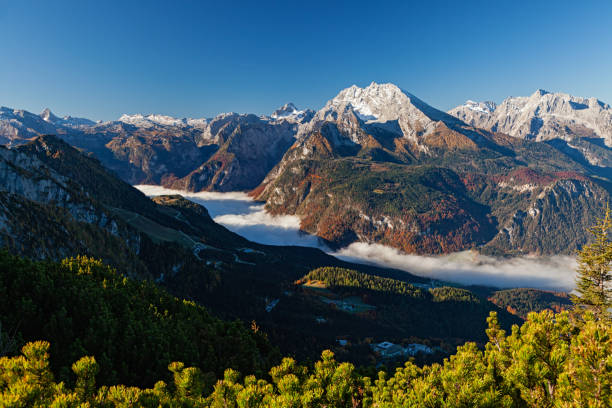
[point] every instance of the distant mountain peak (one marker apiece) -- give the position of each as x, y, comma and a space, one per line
152, 120
66, 121
287, 109
48, 116
543, 116
290, 112
541, 92
485, 107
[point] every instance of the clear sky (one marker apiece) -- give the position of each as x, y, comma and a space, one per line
99, 59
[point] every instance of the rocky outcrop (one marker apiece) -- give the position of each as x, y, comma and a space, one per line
45, 214
242, 162
542, 116
158, 149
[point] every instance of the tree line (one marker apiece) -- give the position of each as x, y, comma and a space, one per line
552, 360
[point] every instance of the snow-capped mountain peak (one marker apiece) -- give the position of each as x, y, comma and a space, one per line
383, 103
48, 116
286, 110
357, 112
484, 107
372, 103
541, 116
163, 120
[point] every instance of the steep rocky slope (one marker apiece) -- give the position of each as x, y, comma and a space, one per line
379, 165
539, 212
46, 214
228, 152
542, 116
581, 127
243, 159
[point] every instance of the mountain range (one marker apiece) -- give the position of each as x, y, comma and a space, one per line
378, 165
56, 202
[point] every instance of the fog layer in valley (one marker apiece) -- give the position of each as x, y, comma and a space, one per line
552, 273
237, 212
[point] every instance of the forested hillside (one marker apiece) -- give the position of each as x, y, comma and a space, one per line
134, 329
522, 301
82, 316
56, 203
397, 310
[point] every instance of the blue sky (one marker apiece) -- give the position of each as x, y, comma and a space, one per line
99, 59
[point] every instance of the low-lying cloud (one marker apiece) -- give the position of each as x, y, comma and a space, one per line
471, 268
215, 203
240, 214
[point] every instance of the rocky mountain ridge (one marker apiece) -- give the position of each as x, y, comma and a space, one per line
378, 165
230, 151
542, 116
344, 169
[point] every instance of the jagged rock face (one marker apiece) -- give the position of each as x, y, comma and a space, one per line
543, 116
430, 215
13, 167
357, 112
45, 214
242, 162
158, 149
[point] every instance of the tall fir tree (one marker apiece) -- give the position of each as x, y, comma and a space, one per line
594, 269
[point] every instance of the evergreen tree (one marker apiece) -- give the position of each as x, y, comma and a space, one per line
594, 270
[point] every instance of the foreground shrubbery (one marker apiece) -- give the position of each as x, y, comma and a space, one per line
561, 360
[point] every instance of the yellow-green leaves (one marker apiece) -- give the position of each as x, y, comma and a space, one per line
553, 360
85, 369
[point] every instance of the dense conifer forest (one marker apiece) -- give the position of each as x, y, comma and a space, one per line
101, 329
133, 328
